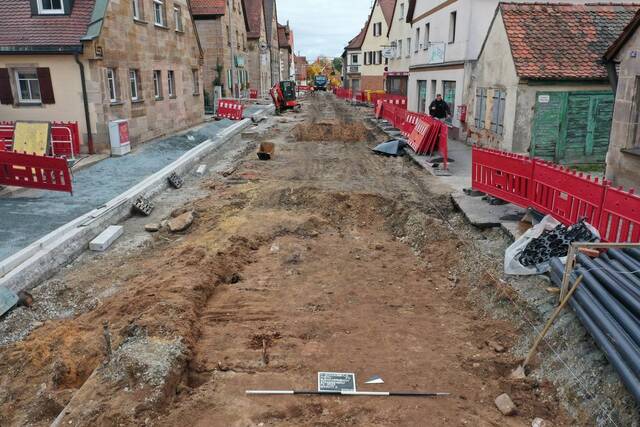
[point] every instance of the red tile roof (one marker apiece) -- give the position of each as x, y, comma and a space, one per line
387, 7
283, 39
626, 34
563, 41
254, 10
208, 7
18, 29
356, 42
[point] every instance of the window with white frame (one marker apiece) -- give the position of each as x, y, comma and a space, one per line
399, 51
28, 86
354, 59
134, 84
177, 18
157, 84
408, 47
159, 12
137, 12
52, 7
171, 84
112, 84
427, 36
417, 40
401, 11
196, 81
377, 29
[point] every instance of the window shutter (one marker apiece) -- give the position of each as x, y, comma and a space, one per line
46, 87
6, 97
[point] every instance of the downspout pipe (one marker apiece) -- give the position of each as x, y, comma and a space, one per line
613, 75
85, 100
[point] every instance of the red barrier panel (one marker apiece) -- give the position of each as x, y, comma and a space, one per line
65, 139
304, 88
378, 111
397, 100
253, 93
30, 171
230, 109
374, 97
409, 123
567, 195
503, 175
389, 113
620, 216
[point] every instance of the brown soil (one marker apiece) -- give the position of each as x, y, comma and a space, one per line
327, 258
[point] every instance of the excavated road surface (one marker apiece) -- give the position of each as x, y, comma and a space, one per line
326, 258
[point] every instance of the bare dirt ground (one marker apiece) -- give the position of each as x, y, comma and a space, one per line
326, 258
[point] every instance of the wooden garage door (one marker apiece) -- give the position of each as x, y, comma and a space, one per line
572, 127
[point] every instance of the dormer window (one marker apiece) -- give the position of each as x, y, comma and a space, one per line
50, 7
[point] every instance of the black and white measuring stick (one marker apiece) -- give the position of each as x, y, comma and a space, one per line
346, 393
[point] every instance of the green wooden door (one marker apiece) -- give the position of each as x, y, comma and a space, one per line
549, 113
572, 127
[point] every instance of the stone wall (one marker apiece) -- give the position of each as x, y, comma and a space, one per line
224, 38
127, 44
623, 158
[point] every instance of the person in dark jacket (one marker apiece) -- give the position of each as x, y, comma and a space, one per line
439, 108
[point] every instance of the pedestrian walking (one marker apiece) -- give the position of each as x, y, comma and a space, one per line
439, 108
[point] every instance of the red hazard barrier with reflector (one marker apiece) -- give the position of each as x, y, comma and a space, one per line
230, 109
30, 171
378, 111
552, 189
397, 100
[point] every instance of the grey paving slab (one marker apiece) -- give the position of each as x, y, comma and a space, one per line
29, 215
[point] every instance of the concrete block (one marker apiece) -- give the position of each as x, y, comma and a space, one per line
201, 169
106, 238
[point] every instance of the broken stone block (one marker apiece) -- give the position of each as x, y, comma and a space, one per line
539, 422
181, 223
497, 347
152, 228
505, 405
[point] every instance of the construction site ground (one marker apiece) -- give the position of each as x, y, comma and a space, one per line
325, 258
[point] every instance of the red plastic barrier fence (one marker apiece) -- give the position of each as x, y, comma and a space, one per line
344, 93
378, 110
304, 88
567, 195
230, 109
620, 216
397, 100
65, 138
503, 175
409, 123
253, 93
374, 97
30, 171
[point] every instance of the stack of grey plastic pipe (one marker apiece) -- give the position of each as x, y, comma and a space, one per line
607, 302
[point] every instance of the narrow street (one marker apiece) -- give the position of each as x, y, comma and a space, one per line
326, 258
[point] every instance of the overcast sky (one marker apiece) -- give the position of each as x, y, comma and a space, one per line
323, 27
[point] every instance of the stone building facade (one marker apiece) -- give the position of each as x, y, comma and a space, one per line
271, 30
623, 157
222, 29
259, 54
140, 61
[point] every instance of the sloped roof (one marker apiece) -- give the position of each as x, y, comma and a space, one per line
270, 13
356, 42
208, 7
283, 37
56, 33
387, 7
563, 41
626, 34
254, 10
